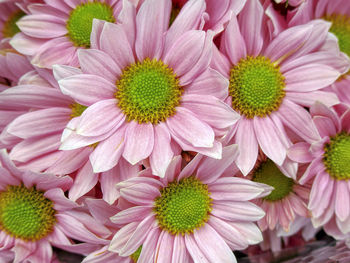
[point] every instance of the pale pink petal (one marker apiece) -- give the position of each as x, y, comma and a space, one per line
117, 47
87, 89
220, 62
231, 235
25, 44
62, 71
162, 153
179, 253
189, 18
315, 167
300, 153
233, 42
211, 110
310, 77
298, 120
252, 14
56, 195
196, 253
140, 194
345, 121
268, 139
320, 194
320, 109
324, 126
288, 42
132, 214
39, 122
210, 82
34, 147
307, 99
84, 181
23, 249
164, 247
219, 251
149, 246
96, 30
151, 22
101, 210
100, 118
237, 211
248, 145
127, 17
98, 63
138, 237
235, 189
342, 200
75, 229
211, 169
44, 182
190, 129
42, 26
43, 253
108, 152
139, 142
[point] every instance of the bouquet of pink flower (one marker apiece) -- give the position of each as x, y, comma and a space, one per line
173, 131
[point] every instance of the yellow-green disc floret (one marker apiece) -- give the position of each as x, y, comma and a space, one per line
256, 87
183, 206
10, 28
336, 157
79, 24
26, 213
148, 91
268, 173
341, 28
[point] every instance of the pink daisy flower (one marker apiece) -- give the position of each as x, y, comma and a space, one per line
193, 214
148, 101
54, 31
35, 115
287, 201
272, 79
329, 168
35, 215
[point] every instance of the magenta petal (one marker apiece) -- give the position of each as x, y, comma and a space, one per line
252, 14
84, 181
190, 129
345, 121
151, 22
100, 118
108, 152
219, 251
248, 145
97, 62
268, 138
139, 142
87, 89
162, 153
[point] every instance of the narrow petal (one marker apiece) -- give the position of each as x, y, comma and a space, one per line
325, 126
300, 153
140, 194
162, 153
96, 62
100, 118
190, 129
60, 201
237, 211
220, 252
196, 253
139, 142
211, 110
132, 214
308, 99
87, 89
151, 22
62, 71
342, 200
179, 253
108, 152
268, 138
248, 146
164, 247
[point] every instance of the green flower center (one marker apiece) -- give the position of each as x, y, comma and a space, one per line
135, 256
26, 213
256, 87
336, 157
183, 206
148, 91
10, 28
77, 110
268, 173
79, 24
341, 28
